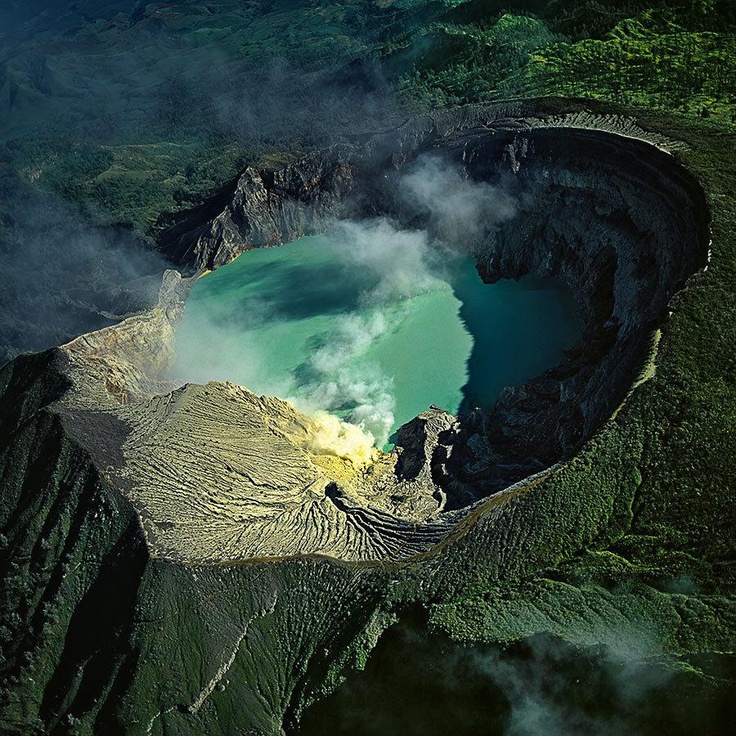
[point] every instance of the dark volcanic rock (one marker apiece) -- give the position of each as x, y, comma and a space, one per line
261, 208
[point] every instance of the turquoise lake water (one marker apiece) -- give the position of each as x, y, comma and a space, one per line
371, 325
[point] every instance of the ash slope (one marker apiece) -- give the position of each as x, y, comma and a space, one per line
97, 609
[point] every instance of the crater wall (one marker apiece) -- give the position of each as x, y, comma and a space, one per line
219, 475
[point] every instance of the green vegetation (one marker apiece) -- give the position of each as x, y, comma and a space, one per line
649, 60
636, 529
167, 116
127, 183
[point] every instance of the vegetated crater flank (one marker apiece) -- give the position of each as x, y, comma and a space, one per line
219, 474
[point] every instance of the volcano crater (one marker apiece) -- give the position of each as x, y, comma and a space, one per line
218, 474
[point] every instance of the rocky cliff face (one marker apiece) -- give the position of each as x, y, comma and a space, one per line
263, 207
137, 515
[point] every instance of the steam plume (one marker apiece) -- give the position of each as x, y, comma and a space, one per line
382, 267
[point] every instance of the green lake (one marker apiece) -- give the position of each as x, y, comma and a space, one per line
371, 325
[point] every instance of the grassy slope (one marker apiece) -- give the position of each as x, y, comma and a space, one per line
657, 58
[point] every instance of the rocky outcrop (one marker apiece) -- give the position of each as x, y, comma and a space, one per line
263, 207
128, 361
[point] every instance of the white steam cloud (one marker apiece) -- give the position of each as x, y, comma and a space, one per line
386, 266
338, 377
458, 210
